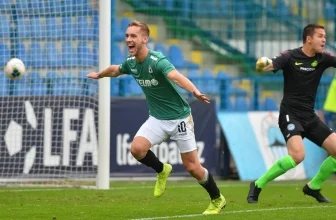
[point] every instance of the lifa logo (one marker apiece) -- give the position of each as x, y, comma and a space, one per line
150, 69
314, 63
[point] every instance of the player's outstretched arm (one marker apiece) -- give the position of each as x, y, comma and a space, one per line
186, 84
264, 64
111, 71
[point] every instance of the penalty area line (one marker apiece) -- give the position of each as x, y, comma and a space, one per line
237, 212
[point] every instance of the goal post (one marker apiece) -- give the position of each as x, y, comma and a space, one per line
104, 95
54, 121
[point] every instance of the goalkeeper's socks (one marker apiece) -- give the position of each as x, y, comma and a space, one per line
152, 161
209, 185
279, 168
328, 167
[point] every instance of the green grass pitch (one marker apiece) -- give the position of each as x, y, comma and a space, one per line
182, 200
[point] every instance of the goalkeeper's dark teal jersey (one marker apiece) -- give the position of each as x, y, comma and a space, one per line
163, 99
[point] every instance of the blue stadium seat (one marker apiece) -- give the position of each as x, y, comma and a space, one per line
52, 75
124, 24
54, 58
34, 77
68, 85
241, 104
229, 105
95, 53
193, 74
92, 87
21, 53
69, 29
69, 55
3, 85
83, 8
95, 22
5, 27
53, 28
206, 8
270, 104
283, 9
237, 91
224, 6
82, 76
5, 6
195, 77
37, 7
53, 7
211, 85
239, 9
38, 30
4, 54
114, 86
57, 89
39, 87
23, 28
22, 7
329, 10
66, 77
222, 75
117, 55
177, 59
36, 55
176, 56
133, 88
85, 30
21, 87
85, 57
161, 48
117, 34
73, 89
207, 74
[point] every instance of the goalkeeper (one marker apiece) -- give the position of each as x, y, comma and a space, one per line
302, 70
169, 113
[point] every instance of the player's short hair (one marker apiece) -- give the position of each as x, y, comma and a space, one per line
143, 27
309, 30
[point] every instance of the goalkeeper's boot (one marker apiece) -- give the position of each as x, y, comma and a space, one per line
253, 194
216, 205
315, 193
160, 185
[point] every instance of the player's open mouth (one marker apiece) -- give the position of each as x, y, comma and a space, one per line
131, 49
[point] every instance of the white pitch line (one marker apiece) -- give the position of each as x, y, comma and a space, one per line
236, 212
146, 187
9, 189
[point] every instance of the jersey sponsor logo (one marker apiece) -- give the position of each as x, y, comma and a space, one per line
154, 82
150, 70
153, 58
308, 69
147, 82
131, 58
290, 127
298, 64
314, 63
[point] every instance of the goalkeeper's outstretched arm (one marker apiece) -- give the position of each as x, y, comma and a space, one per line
264, 64
111, 71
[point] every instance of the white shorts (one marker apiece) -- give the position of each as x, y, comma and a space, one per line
180, 130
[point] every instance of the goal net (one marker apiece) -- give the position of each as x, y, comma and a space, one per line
49, 117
